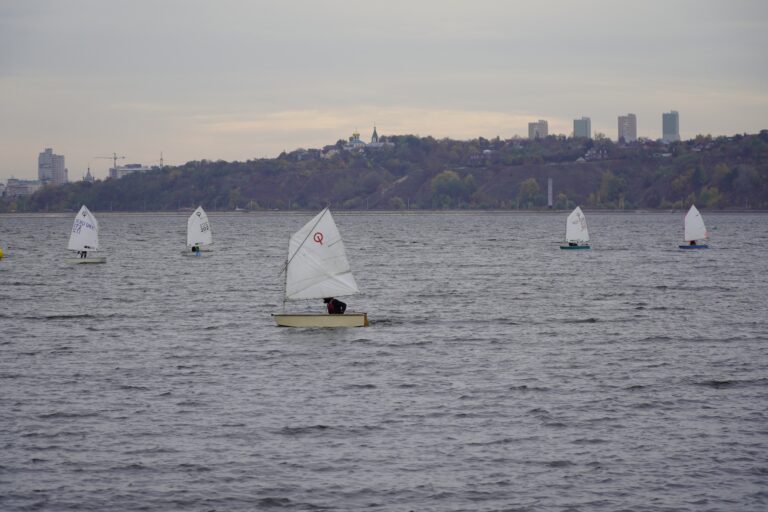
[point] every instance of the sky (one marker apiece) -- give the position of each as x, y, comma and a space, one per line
242, 79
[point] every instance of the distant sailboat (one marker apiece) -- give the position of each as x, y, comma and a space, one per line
85, 238
317, 268
576, 231
199, 233
694, 230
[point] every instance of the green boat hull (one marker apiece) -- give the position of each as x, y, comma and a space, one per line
569, 247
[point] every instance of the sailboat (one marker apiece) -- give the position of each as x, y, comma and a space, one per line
317, 268
199, 233
694, 230
85, 238
576, 231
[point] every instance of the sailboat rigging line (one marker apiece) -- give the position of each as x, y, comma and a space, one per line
319, 218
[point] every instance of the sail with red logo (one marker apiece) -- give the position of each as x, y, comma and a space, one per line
317, 268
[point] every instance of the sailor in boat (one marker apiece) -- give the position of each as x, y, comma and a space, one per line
693, 242
572, 244
196, 250
335, 306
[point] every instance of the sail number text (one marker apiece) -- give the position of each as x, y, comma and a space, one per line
78, 226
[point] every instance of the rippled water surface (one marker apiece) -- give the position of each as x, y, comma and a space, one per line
499, 372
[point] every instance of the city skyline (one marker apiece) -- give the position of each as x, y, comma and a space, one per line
257, 79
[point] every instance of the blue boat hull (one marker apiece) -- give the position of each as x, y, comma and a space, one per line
703, 246
574, 247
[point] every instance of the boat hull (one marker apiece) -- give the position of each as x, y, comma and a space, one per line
574, 247
319, 321
83, 261
702, 246
188, 251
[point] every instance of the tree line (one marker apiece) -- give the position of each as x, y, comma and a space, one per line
411, 172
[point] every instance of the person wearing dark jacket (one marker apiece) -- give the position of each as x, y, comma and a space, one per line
335, 306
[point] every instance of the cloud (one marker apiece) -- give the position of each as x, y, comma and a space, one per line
237, 78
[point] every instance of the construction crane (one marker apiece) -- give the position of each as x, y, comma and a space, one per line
114, 159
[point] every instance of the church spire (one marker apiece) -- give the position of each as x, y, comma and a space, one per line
375, 136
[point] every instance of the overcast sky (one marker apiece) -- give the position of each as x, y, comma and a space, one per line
240, 79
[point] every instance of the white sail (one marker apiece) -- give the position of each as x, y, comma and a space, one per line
694, 225
85, 232
576, 227
317, 265
199, 229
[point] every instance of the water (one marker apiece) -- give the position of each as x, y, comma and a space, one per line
499, 372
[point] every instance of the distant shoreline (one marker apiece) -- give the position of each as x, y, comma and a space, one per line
185, 213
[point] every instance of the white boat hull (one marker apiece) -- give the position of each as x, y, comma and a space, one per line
81, 261
324, 320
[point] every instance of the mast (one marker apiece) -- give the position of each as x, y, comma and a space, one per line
285, 279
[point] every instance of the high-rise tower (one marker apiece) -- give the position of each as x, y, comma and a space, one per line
670, 126
628, 128
538, 129
582, 128
50, 168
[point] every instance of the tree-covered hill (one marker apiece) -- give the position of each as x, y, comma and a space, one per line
420, 173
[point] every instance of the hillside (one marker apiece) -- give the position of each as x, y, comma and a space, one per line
425, 173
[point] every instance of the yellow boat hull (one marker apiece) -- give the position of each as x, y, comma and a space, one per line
319, 321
